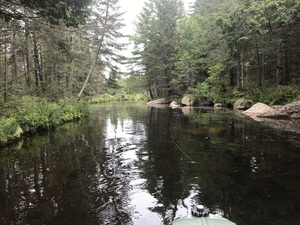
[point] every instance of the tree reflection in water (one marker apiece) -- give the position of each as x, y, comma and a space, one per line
128, 164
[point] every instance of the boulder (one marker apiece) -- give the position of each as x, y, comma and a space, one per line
288, 111
217, 105
258, 109
174, 104
241, 104
187, 101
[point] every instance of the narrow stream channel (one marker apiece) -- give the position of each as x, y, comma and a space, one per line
130, 164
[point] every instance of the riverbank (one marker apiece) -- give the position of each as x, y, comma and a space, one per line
31, 114
286, 117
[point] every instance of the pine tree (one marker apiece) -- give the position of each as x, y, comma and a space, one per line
156, 43
105, 24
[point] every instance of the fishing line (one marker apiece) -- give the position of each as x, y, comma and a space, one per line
183, 152
172, 136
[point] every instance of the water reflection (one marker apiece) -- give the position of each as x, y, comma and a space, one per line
135, 165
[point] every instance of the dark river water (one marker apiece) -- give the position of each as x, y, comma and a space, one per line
132, 164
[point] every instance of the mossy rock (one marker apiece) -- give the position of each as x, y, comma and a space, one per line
242, 104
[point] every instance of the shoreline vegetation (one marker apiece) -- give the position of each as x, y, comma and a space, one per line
218, 53
31, 114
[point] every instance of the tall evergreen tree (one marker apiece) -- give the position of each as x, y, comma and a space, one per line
72, 13
156, 43
108, 21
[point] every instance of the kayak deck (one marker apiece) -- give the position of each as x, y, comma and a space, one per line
209, 220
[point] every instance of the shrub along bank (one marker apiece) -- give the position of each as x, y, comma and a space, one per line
32, 114
207, 92
115, 98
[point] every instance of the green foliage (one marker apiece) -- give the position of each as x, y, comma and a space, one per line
104, 98
9, 129
215, 87
156, 43
277, 95
32, 114
37, 114
72, 13
72, 109
202, 92
134, 83
114, 98
136, 98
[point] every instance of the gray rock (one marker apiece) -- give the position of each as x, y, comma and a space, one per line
174, 104
288, 111
242, 104
257, 109
217, 105
187, 101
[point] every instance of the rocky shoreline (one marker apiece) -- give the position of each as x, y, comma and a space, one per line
286, 112
285, 117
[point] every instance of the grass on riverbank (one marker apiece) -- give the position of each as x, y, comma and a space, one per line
30, 114
116, 98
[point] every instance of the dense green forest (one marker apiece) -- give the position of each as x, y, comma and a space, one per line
51, 53
217, 51
221, 49
50, 48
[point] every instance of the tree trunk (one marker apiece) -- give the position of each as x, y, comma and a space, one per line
37, 66
232, 76
258, 58
283, 73
100, 45
92, 67
5, 92
27, 59
14, 55
239, 73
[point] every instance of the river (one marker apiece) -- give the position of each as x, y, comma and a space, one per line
130, 164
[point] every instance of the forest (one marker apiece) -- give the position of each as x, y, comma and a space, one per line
221, 49
56, 52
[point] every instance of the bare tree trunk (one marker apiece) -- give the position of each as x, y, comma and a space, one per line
258, 58
283, 73
92, 67
5, 92
28, 62
239, 73
100, 45
14, 55
37, 66
243, 74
